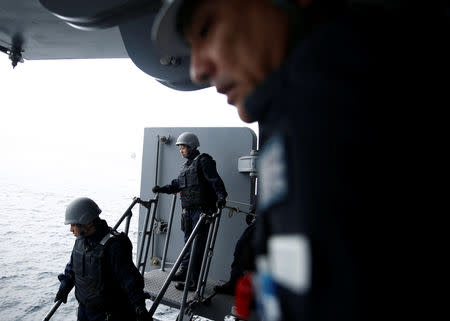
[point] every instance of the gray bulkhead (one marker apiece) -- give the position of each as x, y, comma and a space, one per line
226, 145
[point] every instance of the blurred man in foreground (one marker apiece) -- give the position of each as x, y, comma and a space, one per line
345, 160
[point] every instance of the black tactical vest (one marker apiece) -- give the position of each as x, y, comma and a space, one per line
88, 265
195, 190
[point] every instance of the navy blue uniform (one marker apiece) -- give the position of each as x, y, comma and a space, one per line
342, 170
197, 200
209, 172
109, 283
243, 256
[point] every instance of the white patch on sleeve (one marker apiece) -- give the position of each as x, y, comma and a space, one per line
272, 172
290, 262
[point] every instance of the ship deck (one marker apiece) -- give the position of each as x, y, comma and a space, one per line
214, 307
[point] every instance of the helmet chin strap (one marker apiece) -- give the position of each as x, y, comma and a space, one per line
189, 151
83, 229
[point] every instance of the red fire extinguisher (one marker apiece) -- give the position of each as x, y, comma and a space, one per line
243, 297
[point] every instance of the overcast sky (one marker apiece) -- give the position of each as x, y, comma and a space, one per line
56, 114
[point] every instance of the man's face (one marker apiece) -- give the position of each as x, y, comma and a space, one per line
88, 228
235, 44
184, 150
75, 230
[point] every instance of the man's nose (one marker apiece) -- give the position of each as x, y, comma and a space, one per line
202, 67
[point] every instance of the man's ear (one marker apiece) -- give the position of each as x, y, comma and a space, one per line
88, 226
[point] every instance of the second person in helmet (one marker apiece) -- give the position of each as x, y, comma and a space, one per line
202, 190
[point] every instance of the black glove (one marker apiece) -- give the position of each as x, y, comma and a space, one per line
249, 219
62, 295
221, 203
142, 314
64, 288
156, 189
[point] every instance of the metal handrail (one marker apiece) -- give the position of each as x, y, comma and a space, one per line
209, 252
214, 220
127, 215
205, 255
176, 265
53, 310
169, 230
146, 235
188, 276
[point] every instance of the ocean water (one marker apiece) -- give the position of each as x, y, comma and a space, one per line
35, 245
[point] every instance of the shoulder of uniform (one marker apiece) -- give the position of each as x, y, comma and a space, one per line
114, 235
204, 156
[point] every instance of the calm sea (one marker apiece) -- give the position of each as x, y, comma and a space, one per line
35, 245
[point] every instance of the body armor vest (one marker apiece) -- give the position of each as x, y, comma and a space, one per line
195, 190
88, 265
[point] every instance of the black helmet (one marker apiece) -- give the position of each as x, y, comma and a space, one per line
164, 31
189, 139
82, 211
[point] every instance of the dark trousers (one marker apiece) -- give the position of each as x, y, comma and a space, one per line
243, 257
191, 218
85, 314
122, 314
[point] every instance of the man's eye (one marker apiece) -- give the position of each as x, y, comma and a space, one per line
204, 30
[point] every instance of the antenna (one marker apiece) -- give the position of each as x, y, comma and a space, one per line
15, 55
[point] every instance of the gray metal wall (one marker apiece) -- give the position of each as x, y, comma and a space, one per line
225, 145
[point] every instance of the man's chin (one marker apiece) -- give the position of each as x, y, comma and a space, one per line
245, 117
